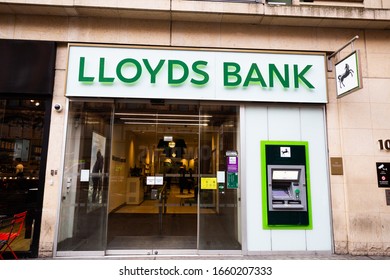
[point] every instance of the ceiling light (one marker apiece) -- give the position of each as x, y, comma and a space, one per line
182, 124
163, 115
165, 120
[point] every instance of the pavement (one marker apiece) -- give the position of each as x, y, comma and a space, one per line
273, 256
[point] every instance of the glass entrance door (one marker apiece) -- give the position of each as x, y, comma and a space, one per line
219, 205
163, 185
86, 178
154, 172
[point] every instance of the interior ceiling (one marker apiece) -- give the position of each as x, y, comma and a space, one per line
151, 120
181, 121
157, 132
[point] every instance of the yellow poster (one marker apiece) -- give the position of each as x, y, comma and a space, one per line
208, 183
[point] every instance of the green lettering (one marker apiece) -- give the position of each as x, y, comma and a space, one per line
300, 76
172, 64
82, 78
103, 79
131, 62
231, 69
153, 72
257, 78
273, 71
200, 72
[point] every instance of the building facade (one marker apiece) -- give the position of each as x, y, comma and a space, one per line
240, 105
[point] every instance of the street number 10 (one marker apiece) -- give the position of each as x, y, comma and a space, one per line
384, 144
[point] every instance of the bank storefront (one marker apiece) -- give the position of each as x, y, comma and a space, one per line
193, 151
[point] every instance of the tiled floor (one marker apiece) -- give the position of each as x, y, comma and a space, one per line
175, 204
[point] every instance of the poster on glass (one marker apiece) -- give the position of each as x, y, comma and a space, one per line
96, 170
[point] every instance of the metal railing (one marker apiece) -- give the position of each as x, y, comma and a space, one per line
162, 208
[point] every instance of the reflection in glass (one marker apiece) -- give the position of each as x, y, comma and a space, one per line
84, 198
21, 140
219, 222
147, 194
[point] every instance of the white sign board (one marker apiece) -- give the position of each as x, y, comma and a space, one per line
125, 72
221, 176
348, 77
84, 175
154, 180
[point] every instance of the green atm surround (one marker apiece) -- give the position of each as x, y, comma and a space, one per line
303, 158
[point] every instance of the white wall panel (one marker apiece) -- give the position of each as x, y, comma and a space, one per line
256, 129
283, 123
287, 123
313, 131
288, 240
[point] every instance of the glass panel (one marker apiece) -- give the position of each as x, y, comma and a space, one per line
154, 168
85, 184
219, 206
152, 144
133, 211
178, 160
21, 139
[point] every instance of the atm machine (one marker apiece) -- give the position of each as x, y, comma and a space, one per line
286, 186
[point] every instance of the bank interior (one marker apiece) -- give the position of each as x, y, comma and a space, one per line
149, 194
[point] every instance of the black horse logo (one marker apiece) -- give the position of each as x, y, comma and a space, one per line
346, 74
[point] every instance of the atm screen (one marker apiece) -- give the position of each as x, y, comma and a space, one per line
285, 175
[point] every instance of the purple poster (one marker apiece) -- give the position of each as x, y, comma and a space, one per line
232, 164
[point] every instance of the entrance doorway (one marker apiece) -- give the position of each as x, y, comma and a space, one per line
156, 156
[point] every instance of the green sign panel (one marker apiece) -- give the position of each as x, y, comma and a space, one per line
232, 180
